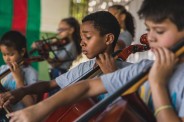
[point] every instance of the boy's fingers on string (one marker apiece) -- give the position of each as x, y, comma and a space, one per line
107, 56
98, 61
172, 59
157, 56
163, 57
102, 57
110, 57
169, 56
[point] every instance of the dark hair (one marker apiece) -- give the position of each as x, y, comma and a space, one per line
76, 34
159, 10
129, 20
105, 22
15, 40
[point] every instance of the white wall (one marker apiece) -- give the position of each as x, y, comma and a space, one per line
52, 12
140, 29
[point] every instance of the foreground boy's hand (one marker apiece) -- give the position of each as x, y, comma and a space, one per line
162, 67
158, 77
106, 63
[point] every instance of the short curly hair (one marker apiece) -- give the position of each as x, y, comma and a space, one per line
105, 23
159, 10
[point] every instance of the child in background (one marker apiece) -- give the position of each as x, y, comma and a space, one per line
68, 31
13, 48
126, 22
165, 25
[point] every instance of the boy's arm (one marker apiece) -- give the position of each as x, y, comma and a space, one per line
158, 78
16, 95
68, 95
161, 98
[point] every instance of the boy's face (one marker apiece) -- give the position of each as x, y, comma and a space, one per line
92, 43
164, 34
9, 54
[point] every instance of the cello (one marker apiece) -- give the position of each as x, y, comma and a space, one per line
70, 113
128, 88
8, 109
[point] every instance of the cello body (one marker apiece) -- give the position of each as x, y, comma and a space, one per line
120, 111
70, 113
129, 109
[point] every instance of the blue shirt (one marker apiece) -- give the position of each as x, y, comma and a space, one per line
115, 80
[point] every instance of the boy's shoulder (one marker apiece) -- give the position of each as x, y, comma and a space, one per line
143, 63
86, 64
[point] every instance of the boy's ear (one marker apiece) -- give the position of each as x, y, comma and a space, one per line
109, 38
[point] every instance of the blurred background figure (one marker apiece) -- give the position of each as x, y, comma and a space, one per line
65, 47
126, 22
69, 30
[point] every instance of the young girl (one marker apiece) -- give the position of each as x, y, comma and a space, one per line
68, 31
165, 25
13, 48
126, 22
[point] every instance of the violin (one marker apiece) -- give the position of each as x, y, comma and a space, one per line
130, 87
70, 113
46, 45
27, 61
